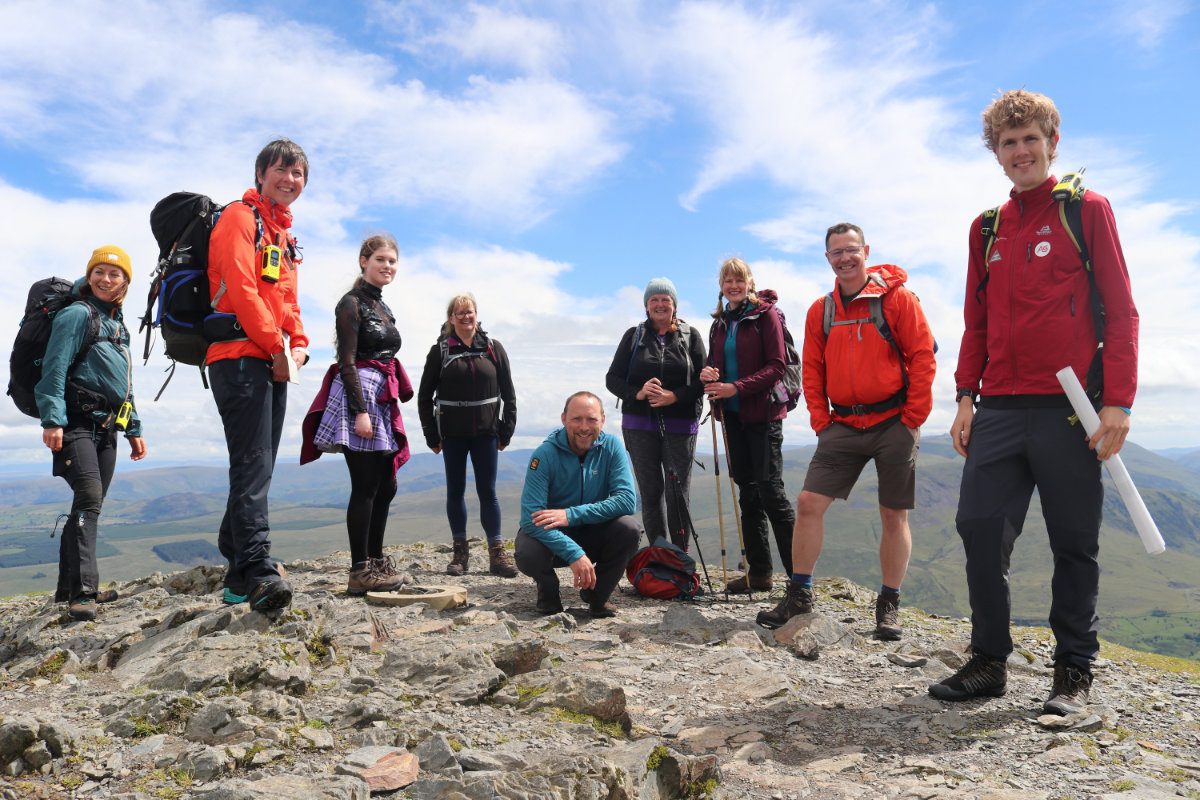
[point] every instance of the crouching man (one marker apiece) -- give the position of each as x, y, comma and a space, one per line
576, 510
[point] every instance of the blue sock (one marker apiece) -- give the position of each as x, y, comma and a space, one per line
802, 579
884, 589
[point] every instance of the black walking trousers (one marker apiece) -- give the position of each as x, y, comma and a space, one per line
252, 408
86, 461
1011, 452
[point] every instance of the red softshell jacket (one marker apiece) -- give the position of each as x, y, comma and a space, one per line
1034, 315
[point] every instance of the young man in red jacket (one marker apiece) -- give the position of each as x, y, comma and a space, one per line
1029, 313
867, 398
252, 279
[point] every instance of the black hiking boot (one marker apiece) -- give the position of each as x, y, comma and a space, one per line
798, 600
1071, 688
887, 617
270, 595
982, 676
548, 601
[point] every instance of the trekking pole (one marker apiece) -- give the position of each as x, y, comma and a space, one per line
686, 524
720, 509
737, 514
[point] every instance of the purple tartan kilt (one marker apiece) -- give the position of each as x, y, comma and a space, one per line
336, 431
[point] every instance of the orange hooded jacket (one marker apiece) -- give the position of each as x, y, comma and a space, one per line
265, 311
855, 365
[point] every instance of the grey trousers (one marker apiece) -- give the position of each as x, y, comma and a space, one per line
662, 465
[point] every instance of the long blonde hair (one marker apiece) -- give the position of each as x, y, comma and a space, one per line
734, 266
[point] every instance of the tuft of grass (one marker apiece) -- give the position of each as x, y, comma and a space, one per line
51, 668
143, 727
608, 728
529, 692
1122, 785
654, 761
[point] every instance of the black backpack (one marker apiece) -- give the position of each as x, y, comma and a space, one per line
179, 298
46, 298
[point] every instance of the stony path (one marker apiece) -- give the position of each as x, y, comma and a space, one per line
170, 694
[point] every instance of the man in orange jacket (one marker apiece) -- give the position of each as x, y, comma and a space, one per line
257, 340
867, 398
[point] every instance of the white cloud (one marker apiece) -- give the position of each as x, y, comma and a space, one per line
1146, 22
145, 123
479, 34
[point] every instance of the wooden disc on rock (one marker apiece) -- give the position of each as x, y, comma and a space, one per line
438, 597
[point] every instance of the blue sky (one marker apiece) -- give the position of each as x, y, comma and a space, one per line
552, 157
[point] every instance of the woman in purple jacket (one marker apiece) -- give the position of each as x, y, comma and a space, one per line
745, 360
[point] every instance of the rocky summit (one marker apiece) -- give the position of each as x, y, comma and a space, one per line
170, 694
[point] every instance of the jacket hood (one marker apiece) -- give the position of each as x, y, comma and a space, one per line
481, 341
881, 279
281, 216
767, 298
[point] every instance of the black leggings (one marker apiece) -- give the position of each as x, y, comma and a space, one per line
372, 487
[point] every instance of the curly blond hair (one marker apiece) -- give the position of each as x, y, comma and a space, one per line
1017, 108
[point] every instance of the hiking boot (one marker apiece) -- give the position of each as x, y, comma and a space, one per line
746, 583
798, 600
603, 610
270, 595
368, 577
887, 616
82, 608
384, 565
462, 554
499, 562
982, 676
107, 596
548, 601
1070, 692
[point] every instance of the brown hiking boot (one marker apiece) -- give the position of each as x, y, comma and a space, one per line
887, 617
82, 608
745, 583
798, 600
107, 596
499, 562
1070, 691
459, 562
366, 578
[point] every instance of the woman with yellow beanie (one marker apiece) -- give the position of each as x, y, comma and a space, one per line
85, 396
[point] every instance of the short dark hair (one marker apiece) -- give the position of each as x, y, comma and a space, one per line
599, 402
844, 227
283, 150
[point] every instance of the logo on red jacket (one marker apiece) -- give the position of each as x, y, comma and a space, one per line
1042, 249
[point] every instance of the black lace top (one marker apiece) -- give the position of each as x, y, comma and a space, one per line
366, 331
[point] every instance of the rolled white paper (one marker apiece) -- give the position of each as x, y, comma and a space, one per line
1151, 539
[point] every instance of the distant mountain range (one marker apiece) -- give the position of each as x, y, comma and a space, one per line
157, 520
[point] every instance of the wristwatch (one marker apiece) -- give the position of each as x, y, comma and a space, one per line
964, 393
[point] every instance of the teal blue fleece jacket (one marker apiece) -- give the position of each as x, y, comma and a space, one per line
597, 488
107, 368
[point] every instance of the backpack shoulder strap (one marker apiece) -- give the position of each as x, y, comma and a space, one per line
830, 310
91, 335
637, 340
1070, 213
989, 224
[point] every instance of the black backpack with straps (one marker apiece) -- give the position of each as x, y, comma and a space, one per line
178, 301
46, 298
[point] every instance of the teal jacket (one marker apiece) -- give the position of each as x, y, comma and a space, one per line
107, 369
597, 489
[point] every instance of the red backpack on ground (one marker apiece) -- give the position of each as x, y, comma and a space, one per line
663, 571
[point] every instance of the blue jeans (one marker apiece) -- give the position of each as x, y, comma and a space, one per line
483, 451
